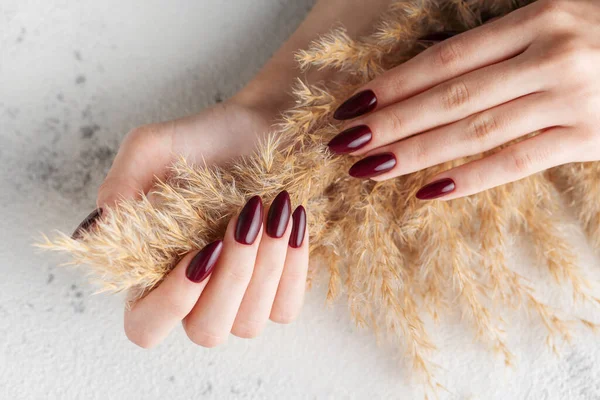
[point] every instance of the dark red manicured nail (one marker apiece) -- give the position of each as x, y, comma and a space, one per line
357, 105
298, 227
350, 140
279, 215
89, 221
438, 36
436, 189
249, 221
373, 165
202, 264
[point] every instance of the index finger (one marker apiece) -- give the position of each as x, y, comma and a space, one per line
477, 48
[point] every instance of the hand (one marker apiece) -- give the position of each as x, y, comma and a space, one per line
234, 285
213, 136
532, 70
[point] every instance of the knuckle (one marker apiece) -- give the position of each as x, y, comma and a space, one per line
297, 274
174, 307
395, 122
520, 162
270, 271
482, 126
238, 275
144, 136
420, 150
555, 11
575, 61
455, 94
479, 179
447, 53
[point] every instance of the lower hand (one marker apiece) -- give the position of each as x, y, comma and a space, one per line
532, 70
235, 285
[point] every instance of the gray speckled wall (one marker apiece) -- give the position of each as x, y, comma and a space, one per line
75, 76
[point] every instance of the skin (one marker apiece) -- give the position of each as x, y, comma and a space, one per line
249, 284
534, 69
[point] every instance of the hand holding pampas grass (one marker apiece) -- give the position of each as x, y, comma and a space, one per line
397, 259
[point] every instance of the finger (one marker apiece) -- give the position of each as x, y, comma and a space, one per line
211, 319
292, 286
143, 155
258, 299
477, 48
151, 319
449, 102
548, 149
473, 135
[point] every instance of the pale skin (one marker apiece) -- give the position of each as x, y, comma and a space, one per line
535, 69
250, 283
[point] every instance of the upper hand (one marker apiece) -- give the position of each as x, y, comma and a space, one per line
532, 70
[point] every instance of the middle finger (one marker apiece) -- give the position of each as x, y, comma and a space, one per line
211, 319
446, 103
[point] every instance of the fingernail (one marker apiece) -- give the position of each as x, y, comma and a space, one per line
436, 189
202, 264
279, 215
438, 36
357, 105
249, 221
298, 227
350, 140
373, 165
89, 221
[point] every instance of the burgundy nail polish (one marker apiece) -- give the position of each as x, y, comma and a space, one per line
373, 165
249, 221
202, 264
350, 140
88, 221
436, 189
438, 36
298, 227
279, 215
357, 105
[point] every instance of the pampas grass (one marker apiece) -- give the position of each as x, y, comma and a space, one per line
395, 258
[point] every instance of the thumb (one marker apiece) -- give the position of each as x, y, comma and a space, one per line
144, 154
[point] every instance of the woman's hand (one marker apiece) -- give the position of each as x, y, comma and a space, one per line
213, 136
535, 69
234, 285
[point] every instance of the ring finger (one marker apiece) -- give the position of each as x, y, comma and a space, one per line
441, 105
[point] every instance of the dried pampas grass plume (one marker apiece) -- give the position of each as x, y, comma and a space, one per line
399, 261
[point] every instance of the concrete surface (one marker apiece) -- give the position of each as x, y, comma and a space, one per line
75, 76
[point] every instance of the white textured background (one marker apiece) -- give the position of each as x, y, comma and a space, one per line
75, 76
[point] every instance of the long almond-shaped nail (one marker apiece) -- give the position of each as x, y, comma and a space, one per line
357, 105
87, 222
202, 264
436, 189
249, 221
351, 140
438, 36
279, 215
298, 227
372, 166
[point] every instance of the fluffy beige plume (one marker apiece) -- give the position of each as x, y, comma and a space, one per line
397, 260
